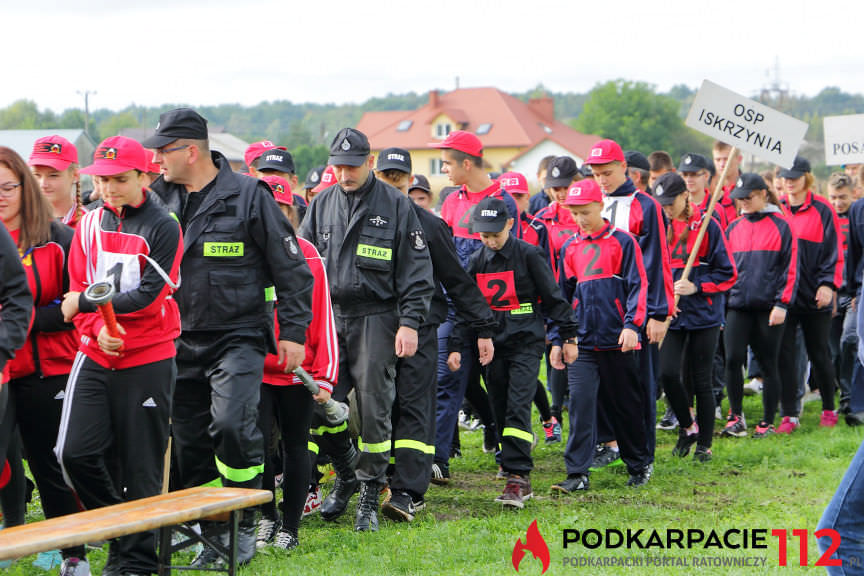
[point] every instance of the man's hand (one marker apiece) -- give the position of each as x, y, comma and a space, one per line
571, 352
406, 342
486, 350
322, 396
824, 296
292, 354
69, 307
555, 358
628, 340
685, 287
656, 330
454, 361
107, 343
777, 316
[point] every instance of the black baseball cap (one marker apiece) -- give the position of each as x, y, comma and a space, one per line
800, 167
489, 215
636, 159
176, 124
667, 187
350, 147
586, 171
276, 159
747, 183
394, 159
420, 182
561, 172
313, 178
692, 162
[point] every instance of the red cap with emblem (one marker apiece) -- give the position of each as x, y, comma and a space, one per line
281, 189
583, 192
463, 141
116, 155
604, 152
328, 178
256, 149
514, 183
54, 151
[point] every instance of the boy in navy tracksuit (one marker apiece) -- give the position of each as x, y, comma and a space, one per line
520, 288
601, 273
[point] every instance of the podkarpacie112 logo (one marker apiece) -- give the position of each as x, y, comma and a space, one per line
535, 544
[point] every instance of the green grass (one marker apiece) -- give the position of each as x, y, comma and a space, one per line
777, 482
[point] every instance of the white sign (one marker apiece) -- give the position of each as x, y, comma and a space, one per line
844, 139
746, 124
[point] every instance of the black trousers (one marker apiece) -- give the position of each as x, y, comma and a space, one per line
696, 348
512, 383
127, 410
35, 405
816, 327
367, 363
215, 419
750, 328
610, 379
414, 415
291, 407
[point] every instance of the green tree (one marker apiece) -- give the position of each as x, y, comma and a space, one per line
635, 116
21, 115
307, 157
113, 125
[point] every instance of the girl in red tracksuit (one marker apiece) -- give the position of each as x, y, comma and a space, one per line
766, 255
284, 397
820, 261
118, 396
39, 369
696, 326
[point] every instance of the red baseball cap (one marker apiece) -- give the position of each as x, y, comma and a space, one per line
152, 167
256, 149
328, 178
514, 183
463, 141
604, 152
281, 189
54, 151
116, 155
583, 192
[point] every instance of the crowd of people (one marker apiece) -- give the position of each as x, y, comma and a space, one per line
425, 310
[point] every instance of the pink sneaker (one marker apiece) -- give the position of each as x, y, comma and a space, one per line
828, 419
787, 425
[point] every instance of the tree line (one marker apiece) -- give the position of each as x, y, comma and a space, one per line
634, 113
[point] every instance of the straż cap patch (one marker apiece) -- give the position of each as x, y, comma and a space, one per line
489, 215
394, 159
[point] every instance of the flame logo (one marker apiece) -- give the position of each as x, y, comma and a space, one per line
535, 544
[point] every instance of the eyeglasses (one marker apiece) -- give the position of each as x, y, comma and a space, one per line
7, 189
164, 151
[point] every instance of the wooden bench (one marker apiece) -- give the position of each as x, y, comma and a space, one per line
167, 512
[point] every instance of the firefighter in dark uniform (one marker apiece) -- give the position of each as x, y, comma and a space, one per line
416, 385
237, 247
381, 285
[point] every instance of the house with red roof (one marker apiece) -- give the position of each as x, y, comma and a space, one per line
516, 135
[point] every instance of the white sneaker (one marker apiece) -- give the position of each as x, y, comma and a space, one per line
753, 387
313, 501
74, 567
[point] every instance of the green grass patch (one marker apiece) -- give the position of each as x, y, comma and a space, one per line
774, 483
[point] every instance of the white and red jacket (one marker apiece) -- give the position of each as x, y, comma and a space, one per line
138, 248
51, 343
322, 348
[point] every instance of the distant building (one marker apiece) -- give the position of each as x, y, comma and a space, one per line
516, 135
22, 142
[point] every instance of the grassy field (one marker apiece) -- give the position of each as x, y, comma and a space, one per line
776, 483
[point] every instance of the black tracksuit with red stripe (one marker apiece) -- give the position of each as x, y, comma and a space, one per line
820, 261
766, 254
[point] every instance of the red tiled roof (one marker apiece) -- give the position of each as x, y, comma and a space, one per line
515, 124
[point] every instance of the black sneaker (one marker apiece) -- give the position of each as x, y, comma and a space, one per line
419, 504
669, 421
286, 541
440, 474
573, 483
642, 478
605, 456
267, 530
702, 454
735, 426
685, 442
854, 418
399, 508
490, 441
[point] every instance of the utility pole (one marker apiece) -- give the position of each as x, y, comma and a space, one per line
86, 94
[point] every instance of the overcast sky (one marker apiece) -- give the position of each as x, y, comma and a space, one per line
220, 51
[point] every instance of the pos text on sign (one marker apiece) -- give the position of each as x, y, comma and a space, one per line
844, 139
746, 124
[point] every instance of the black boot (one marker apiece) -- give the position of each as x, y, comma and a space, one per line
344, 487
246, 536
216, 532
367, 507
